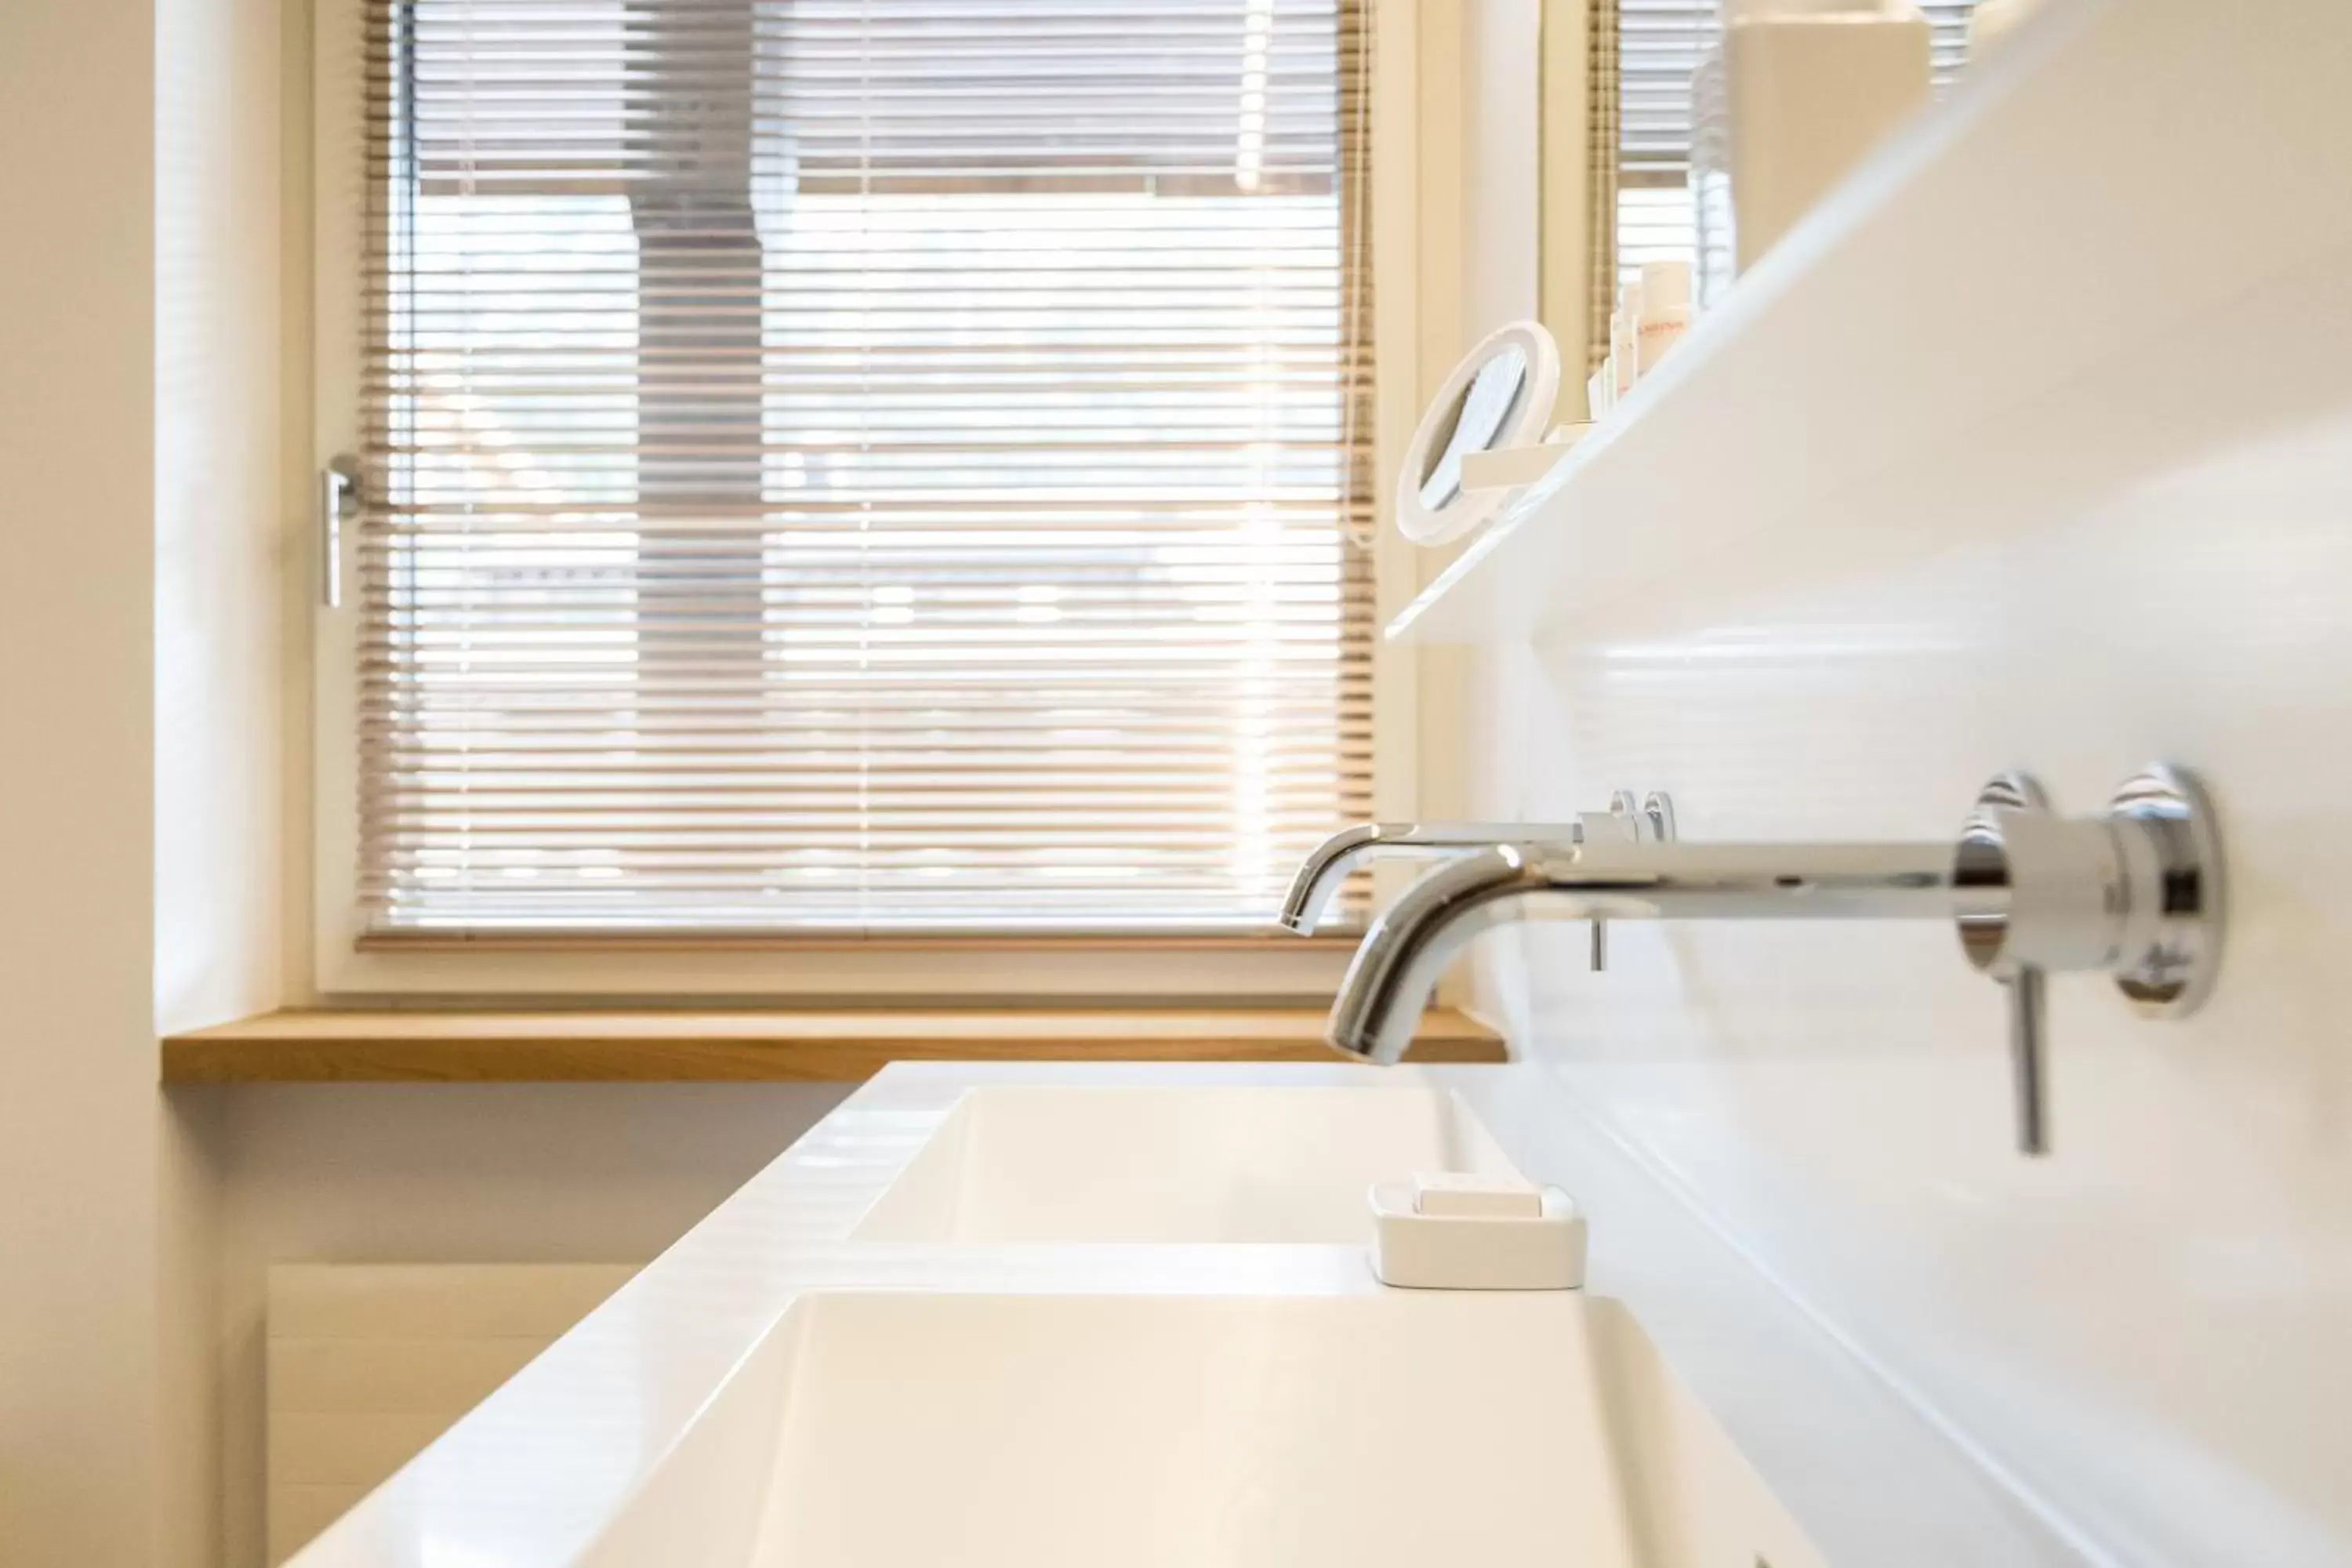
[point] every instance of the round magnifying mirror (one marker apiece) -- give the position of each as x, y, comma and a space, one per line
1501, 395
1473, 422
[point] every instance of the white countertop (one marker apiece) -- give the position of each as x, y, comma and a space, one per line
535, 1472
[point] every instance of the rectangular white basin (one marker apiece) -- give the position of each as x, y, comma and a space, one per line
776, 1391
1042, 1163
872, 1430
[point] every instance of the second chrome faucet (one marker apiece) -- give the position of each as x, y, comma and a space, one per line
2134, 892
1330, 865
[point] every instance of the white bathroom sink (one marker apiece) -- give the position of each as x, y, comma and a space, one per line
905, 1430
827, 1371
1041, 1164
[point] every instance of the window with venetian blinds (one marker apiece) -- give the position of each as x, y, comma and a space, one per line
840, 465
1659, 44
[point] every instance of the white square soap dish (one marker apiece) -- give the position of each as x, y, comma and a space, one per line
1454, 1232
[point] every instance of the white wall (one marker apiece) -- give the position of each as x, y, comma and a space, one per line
1500, 165
1475, 204
2151, 1329
218, 533
2150, 1332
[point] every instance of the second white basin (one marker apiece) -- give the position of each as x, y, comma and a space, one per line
1043, 1163
1393, 1429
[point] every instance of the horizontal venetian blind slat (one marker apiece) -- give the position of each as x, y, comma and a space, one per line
880, 464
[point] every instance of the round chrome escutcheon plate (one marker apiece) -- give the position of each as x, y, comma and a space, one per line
2172, 978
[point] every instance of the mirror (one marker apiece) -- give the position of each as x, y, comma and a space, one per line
1476, 419
1499, 396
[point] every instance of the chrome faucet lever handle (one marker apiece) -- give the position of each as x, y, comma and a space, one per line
1628, 821
1600, 826
1986, 940
2027, 1015
2135, 894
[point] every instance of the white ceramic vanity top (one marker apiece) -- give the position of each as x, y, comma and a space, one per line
536, 1474
831, 1349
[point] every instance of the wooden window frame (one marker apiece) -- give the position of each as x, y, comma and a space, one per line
346, 964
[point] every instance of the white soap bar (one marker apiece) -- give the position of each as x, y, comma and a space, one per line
1455, 1195
1542, 1251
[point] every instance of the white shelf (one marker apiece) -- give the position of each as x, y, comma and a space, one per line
2126, 240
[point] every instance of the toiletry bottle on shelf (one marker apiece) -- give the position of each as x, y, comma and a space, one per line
1665, 312
1993, 20
1797, 93
1624, 350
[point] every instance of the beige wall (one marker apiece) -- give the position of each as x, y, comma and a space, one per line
82, 1129
138, 675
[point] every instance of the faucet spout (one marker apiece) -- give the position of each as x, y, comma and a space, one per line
1330, 863
1401, 959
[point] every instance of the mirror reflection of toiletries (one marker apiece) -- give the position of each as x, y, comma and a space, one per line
1500, 397
1478, 416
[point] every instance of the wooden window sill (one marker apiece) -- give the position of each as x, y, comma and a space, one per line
754, 1045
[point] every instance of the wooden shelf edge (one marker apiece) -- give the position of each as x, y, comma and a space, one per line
329, 1046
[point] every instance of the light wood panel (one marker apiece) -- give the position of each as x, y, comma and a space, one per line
749, 1045
369, 1363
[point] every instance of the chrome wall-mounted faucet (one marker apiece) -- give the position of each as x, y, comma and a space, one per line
1330, 863
2135, 893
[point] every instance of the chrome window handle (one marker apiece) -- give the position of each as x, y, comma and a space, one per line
339, 491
